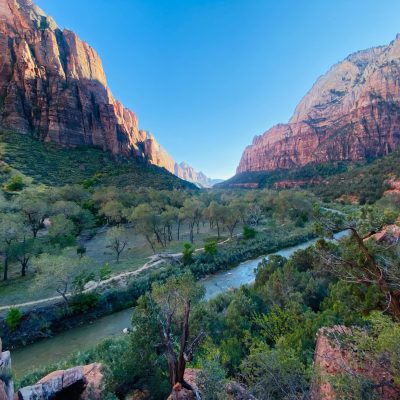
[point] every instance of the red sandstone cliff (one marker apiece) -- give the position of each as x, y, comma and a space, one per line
52, 85
351, 113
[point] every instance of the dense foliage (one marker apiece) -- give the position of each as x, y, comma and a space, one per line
366, 181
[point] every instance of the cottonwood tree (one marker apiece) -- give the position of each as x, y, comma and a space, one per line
145, 222
231, 219
61, 227
215, 213
57, 273
114, 212
10, 230
254, 214
164, 317
24, 249
117, 240
34, 210
193, 209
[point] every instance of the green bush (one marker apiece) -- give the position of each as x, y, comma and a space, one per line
105, 272
249, 232
15, 183
13, 318
84, 302
187, 257
7, 169
210, 247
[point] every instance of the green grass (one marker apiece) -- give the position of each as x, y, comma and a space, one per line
50, 164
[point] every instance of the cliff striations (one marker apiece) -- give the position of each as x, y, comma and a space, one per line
53, 86
351, 113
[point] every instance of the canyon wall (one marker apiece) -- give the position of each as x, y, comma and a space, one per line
53, 86
351, 113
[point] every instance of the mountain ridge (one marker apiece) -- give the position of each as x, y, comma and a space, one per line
351, 113
53, 86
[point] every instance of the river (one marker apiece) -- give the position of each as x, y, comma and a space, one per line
83, 337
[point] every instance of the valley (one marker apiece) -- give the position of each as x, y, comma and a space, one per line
125, 275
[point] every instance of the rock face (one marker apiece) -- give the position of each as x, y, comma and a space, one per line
186, 172
53, 86
6, 382
79, 383
332, 358
351, 113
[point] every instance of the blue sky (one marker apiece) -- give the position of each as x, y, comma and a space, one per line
206, 76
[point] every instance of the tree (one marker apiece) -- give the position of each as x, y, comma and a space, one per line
147, 222
166, 311
192, 209
114, 212
231, 219
10, 230
35, 210
61, 227
23, 250
117, 240
58, 272
254, 214
214, 213
360, 259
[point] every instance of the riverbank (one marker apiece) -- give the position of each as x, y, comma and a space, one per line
84, 337
48, 321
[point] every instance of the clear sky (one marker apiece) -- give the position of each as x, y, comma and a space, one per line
205, 76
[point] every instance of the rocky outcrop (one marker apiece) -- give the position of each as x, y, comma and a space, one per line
180, 393
53, 86
351, 113
334, 358
79, 383
6, 382
186, 172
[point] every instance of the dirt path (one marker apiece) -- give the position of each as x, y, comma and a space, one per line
154, 261
119, 279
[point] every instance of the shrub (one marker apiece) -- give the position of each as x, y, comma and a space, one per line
15, 183
187, 257
105, 272
13, 318
81, 250
7, 169
82, 279
84, 302
249, 232
210, 247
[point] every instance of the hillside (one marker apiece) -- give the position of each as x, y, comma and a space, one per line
364, 180
48, 164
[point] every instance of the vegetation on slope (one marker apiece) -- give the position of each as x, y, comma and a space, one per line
49, 164
364, 180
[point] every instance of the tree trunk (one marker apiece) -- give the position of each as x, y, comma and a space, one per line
5, 275
184, 342
24, 267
